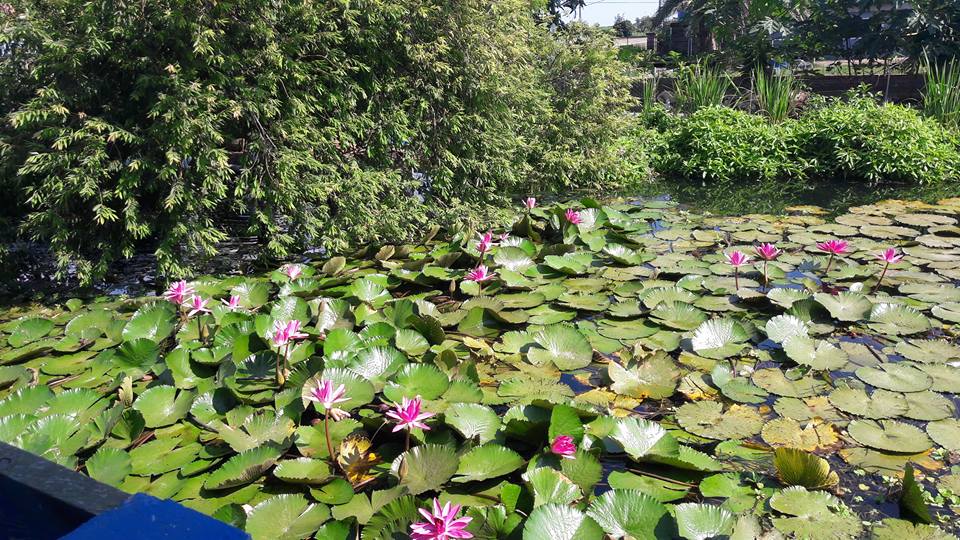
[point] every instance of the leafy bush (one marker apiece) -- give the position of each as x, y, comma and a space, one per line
152, 125
723, 149
862, 141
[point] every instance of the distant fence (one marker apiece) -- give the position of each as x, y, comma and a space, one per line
896, 88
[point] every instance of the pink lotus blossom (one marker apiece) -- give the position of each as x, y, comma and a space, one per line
441, 524
890, 256
503, 237
285, 332
768, 252
530, 203
232, 303
479, 274
197, 305
408, 415
328, 396
485, 243
573, 216
564, 447
833, 247
737, 259
178, 292
292, 271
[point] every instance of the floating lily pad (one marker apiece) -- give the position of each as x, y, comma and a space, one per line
889, 435
708, 419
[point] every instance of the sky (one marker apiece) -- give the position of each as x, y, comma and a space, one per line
603, 12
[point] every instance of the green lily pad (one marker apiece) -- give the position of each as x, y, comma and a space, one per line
708, 419
889, 435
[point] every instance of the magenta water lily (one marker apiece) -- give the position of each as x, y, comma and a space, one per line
328, 396
479, 274
767, 252
292, 271
833, 247
573, 217
888, 256
485, 244
441, 524
232, 303
737, 259
563, 446
530, 203
282, 336
178, 292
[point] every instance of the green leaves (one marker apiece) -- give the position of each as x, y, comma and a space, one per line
563, 346
487, 461
286, 517
163, 405
427, 467
560, 522
632, 513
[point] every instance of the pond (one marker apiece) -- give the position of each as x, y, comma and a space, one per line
625, 369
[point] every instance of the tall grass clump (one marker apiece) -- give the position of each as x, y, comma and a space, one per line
699, 85
941, 100
775, 94
648, 91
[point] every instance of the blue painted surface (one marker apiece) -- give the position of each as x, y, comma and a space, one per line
147, 518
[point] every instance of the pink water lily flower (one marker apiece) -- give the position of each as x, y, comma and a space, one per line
479, 274
197, 305
890, 256
485, 243
503, 237
573, 216
768, 252
232, 303
441, 524
178, 292
285, 332
328, 396
292, 271
564, 447
833, 247
408, 415
737, 259
530, 203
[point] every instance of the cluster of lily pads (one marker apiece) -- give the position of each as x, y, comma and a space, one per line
621, 370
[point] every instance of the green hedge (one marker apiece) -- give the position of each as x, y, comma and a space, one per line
150, 125
837, 150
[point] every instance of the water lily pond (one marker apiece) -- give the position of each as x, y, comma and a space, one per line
596, 371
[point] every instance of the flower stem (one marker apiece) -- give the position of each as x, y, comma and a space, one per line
829, 262
736, 277
765, 282
882, 274
280, 377
199, 330
408, 440
326, 432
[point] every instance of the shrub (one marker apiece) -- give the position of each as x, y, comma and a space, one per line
152, 125
861, 141
722, 149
